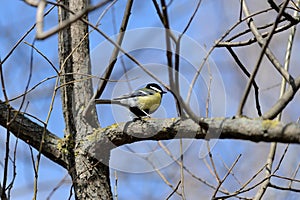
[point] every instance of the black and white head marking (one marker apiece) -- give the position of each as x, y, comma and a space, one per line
156, 89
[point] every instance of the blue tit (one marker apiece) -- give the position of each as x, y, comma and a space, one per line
141, 102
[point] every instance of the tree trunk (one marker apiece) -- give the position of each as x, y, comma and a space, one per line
90, 178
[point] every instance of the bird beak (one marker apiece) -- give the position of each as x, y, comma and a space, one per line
163, 92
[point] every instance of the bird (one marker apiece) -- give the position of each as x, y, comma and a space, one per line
141, 102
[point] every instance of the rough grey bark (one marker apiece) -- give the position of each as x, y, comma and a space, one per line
90, 178
31, 133
257, 130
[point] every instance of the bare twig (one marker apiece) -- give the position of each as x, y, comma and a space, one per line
3, 82
273, 146
43, 138
186, 169
33, 3
281, 158
59, 184
264, 50
232, 174
160, 174
45, 57
24, 36
40, 34
6, 158
283, 188
269, 163
169, 55
294, 175
116, 185
174, 190
113, 58
10, 186
226, 175
116, 50
287, 178
242, 191
243, 68
208, 54
215, 172
1, 191
250, 180
160, 15
253, 40
105, 11
121, 58
177, 54
181, 170
282, 101
286, 15
217, 44
276, 109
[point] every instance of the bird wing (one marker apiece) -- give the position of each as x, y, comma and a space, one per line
136, 93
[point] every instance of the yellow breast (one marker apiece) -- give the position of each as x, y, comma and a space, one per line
150, 102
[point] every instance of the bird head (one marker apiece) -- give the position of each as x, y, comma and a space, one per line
156, 87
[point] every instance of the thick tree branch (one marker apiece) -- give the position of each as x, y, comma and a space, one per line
256, 130
31, 133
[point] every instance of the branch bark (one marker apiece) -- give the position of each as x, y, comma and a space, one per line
31, 133
256, 130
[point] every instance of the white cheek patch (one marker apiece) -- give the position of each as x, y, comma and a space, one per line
156, 89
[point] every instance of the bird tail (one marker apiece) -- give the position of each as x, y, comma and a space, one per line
107, 101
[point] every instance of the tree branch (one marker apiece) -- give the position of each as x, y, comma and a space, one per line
41, 35
256, 130
264, 44
283, 101
31, 133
